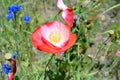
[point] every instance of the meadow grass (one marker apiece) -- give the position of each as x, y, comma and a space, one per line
90, 58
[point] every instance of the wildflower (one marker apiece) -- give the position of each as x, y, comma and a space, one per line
67, 13
12, 62
76, 19
14, 8
55, 37
10, 15
13, 56
118, 53
6, 68
105, 40
16, 54
26, 19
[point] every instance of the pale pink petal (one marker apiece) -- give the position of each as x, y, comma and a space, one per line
45, 31
105, 40
118, 53
58, 28
61, 5
67, 13
68, 16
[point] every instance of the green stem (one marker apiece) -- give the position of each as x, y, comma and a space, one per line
93, 62
48, 64
114, 64
16, 1
111, 8
57, 15
27, 32
117, 75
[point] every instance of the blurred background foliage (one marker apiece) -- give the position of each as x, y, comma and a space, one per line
90, 58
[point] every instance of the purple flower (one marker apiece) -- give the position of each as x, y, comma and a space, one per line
26, 19
105, 40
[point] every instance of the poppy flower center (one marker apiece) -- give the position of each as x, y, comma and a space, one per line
55, 37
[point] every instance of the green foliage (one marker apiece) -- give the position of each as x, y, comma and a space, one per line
77, 63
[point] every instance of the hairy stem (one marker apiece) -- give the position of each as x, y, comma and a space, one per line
47, 65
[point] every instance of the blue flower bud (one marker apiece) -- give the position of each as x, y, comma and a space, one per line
26, 19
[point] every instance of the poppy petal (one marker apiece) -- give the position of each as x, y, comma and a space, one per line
68, 16
55, 32
71, 41
36, 38
55, 37
46, 48
45, 45
61, 5
67, 13
38, 43
56, 50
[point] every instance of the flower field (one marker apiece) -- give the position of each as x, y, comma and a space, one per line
59, 40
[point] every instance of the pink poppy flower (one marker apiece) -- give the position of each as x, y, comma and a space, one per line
118, 53
67, 13
55, 37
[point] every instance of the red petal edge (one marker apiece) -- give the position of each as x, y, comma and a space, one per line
40, 45
68, 16
71, 41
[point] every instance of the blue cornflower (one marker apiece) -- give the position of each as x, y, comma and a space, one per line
13, 56
16, 54
14, 8
26, 19
10, 15
6, 68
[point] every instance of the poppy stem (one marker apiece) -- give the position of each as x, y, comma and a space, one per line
57, 14
48, 64
94, 60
